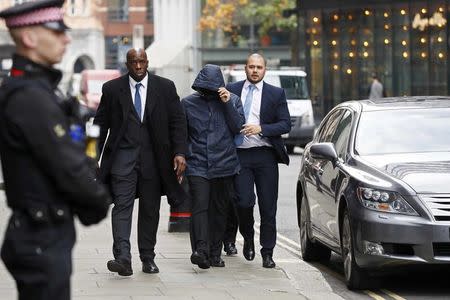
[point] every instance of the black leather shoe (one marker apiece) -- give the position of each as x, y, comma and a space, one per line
149, 266
268, 262
217, 261
230, 248
120, 267
200, 259
249, 250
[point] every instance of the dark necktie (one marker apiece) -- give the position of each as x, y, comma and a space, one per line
137, 100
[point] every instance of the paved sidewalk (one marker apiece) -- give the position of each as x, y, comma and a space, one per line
178, 278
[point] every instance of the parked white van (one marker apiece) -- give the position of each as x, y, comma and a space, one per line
293, 80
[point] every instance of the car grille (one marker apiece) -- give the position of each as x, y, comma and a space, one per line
398, 249
439, 205
441, 249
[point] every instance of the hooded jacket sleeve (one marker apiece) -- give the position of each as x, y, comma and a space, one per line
234, 114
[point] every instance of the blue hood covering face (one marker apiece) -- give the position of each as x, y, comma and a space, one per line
209, 80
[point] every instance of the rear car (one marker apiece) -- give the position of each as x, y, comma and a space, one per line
374, 187
293, 81
91, 83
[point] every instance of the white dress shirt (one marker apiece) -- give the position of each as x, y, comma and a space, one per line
142, 92
254, 116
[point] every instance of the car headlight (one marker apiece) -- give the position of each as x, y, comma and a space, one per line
384, 201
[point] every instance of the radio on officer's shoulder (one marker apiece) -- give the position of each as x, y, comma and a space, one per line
83, 131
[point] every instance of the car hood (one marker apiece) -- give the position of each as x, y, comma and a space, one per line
424, 172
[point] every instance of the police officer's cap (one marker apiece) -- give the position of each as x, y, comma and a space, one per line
47, 13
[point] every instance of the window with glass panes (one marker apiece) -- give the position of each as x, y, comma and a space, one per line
405, 43
150, 10
118, 10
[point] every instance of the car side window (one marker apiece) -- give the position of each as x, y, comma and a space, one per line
327, 130
320, 130
342, 133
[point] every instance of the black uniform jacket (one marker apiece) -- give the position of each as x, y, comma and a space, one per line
166, 125
43, 167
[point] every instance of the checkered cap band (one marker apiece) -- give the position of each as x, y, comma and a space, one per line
39, 16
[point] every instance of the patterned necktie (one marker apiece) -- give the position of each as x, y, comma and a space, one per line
137, 100
239, 139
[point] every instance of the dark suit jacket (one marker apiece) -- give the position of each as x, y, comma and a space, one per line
165, 121
274, 116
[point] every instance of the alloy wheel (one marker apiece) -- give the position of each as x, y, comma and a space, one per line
304, 224
347, 249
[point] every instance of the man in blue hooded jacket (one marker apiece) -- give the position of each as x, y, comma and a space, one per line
214, 116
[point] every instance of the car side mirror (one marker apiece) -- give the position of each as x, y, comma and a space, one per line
324, 151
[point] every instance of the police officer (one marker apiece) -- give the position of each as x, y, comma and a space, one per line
48, 178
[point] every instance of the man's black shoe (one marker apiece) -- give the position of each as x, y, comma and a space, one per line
268, 262
120, 267
249, 250
149, 266
199, 258
230, 248
217, 261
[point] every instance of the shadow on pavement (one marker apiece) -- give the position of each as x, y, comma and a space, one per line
410, 282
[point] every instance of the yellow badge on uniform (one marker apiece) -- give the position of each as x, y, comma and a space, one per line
59, 130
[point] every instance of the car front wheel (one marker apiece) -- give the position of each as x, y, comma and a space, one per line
356, 278
311, 251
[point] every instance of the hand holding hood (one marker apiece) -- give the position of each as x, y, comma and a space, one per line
208, 81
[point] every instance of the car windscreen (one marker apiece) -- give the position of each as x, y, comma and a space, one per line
403, 131
294, 86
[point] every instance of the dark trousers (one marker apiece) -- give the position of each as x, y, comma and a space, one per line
125, 189
232, 224
39, 257
259, 168
210, 201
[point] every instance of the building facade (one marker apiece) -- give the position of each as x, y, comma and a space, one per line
102, 31
126, 24
404, 42
225, 48
86, 50
174, 52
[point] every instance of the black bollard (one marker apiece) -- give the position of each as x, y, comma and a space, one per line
179, 218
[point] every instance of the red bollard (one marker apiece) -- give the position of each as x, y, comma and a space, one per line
180, 216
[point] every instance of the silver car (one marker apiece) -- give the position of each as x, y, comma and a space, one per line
374, 186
